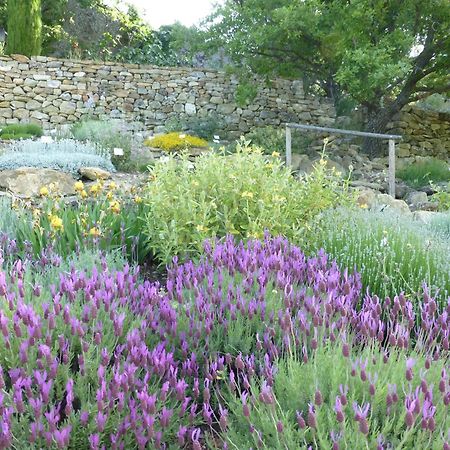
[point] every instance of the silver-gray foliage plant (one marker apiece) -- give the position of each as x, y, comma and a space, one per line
67, 155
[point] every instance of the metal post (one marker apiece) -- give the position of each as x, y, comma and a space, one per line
392, 167
288, 146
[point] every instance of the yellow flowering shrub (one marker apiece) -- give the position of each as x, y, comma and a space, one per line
244, 194
175, 141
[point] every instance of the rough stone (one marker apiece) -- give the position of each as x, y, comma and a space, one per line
94, 173
387, 202
416, 198
28, 181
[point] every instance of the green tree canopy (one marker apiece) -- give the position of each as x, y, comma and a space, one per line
383, 53
24, 27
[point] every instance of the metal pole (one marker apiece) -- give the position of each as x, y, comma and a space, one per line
288, 146
392, 167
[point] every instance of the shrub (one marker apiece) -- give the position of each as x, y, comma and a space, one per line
99, 218
65, 155
175, 141
423, 172
203, 127
442, 197
441, 224
8, 219
244, 194
106, 360
20, 131
392, 254
108, 134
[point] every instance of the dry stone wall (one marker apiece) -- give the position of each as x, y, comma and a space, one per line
425, 133
51, 92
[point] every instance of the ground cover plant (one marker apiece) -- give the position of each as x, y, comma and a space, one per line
66, 155
255, 346
421, 173
100, 217
20, 131
243, 193
108, 134
392, 253
175, 141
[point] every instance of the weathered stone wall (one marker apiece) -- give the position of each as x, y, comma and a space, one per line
425, 133
52, 92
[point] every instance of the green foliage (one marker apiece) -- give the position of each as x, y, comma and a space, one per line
246, 92
442, 197
8, 220
441, 224
244, 194
273, 139
391, 253
108, 134
24, 27
203, 127
100, 218
65, 155
365, 50
295, 385
421, 173
20, 131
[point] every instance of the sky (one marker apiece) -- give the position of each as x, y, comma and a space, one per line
165, 12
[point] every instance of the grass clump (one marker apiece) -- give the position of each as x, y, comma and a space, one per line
391, 253
175, 141
421, 173
20, 131
243, 194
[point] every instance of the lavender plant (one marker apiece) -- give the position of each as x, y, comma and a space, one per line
256, 345
391, 252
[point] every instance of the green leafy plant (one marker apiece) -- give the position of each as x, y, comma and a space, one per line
175, 141
421, 173
244, 194
108, 134
442, 197
203, 127
20, 131
392, 253
246, 92
66, 155
100, 218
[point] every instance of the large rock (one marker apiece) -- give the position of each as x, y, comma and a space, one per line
94, 173
27, 181
416, 198
385, 202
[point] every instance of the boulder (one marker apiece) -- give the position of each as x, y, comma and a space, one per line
94, 173
385, 202
416, 198
27, 181
366, 198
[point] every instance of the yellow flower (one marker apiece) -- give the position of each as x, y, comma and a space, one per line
195, 183
322, 162
114, 206
109, 195
201, 229
138, 199
112, 185
83, 194
78, 186
95, 188
275, 154
43, 191
247, 194
363, 206
56, 223
94, 231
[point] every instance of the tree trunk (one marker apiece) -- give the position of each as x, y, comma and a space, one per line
376, 124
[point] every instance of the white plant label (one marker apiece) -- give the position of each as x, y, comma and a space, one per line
118, 151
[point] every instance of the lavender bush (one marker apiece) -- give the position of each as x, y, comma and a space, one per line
255, 346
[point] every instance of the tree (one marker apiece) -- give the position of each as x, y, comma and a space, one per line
383, 53
24, 27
